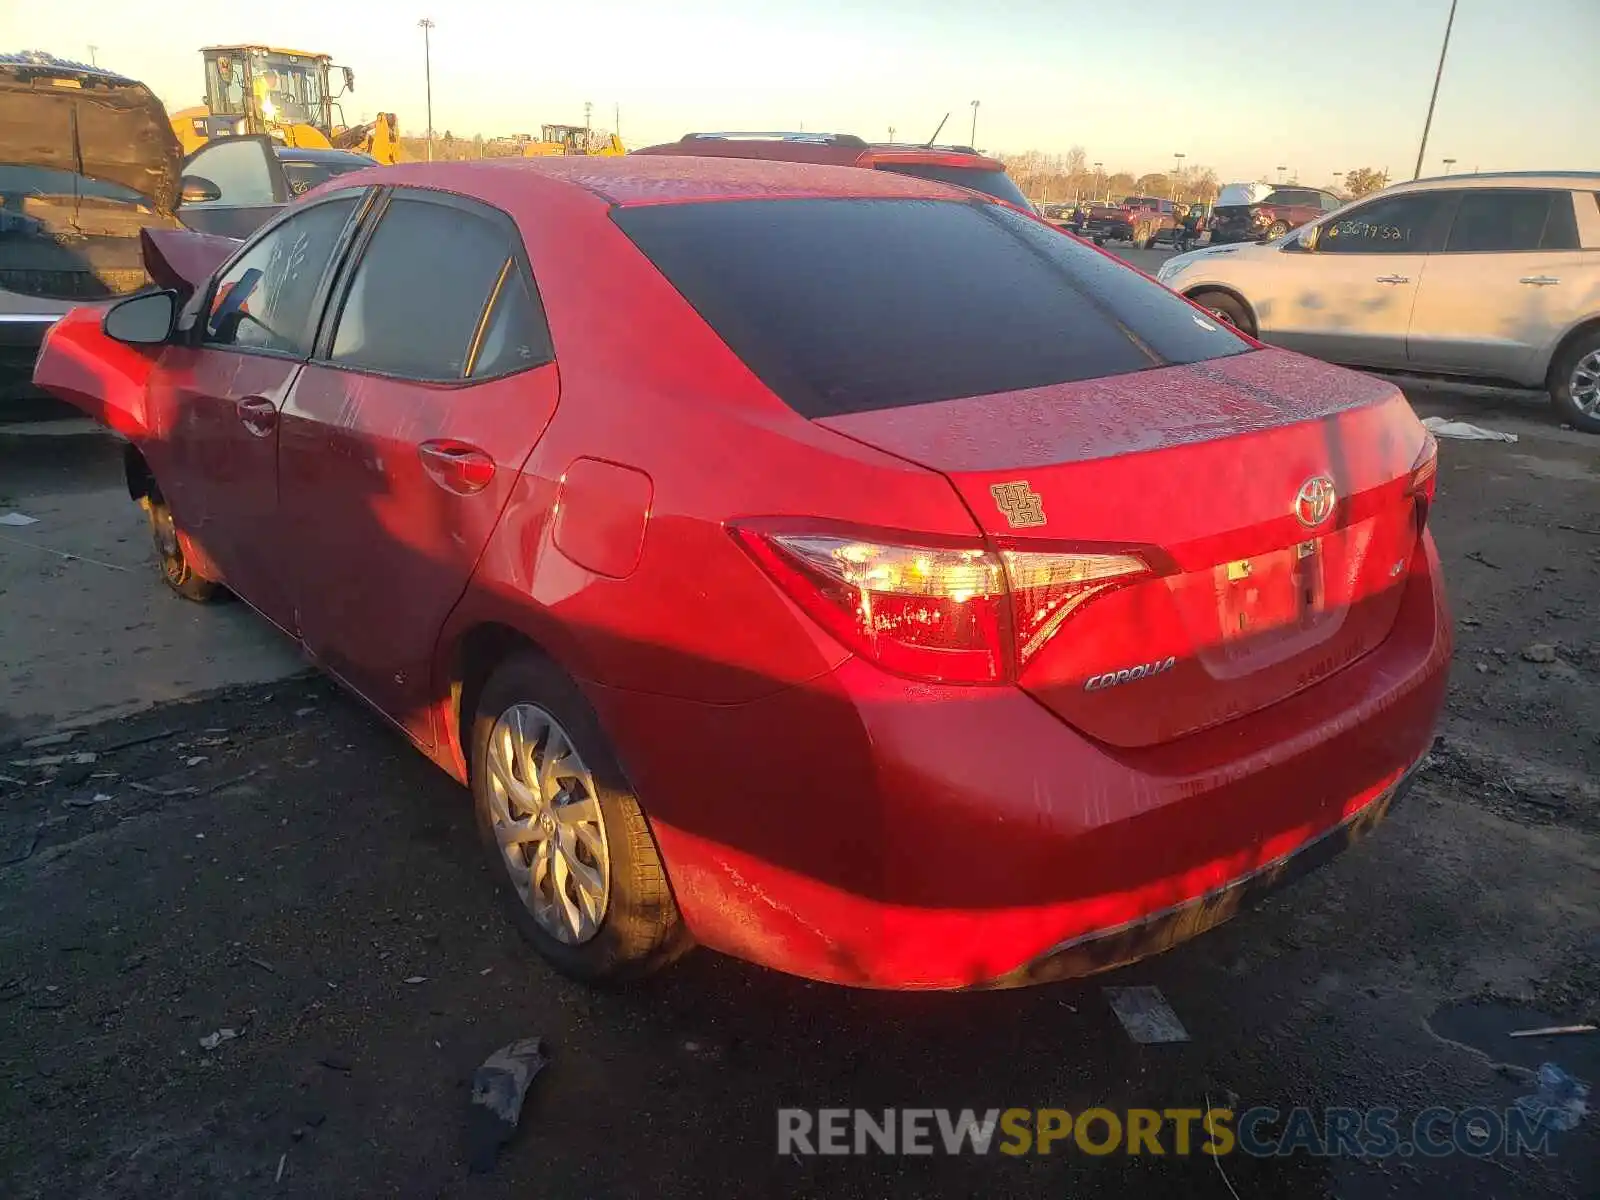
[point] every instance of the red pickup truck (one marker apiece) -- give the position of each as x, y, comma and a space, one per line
1138, 219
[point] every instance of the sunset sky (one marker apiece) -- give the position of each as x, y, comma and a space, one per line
1314, 87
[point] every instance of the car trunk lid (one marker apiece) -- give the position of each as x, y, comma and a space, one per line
1195, 470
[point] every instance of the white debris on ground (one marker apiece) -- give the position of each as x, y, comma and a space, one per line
1462, 431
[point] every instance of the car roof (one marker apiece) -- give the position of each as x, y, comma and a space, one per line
1564, 180
845, 149
35, 60
667, 179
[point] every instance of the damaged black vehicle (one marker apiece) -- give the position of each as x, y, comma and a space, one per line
88, 159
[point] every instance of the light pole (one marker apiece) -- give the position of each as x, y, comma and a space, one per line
1433, 98
588, 113
891, 135
1448, 163
1177, 170
1338, 180
426, 25
1098, 168
1280, 173
93, 61
974, 140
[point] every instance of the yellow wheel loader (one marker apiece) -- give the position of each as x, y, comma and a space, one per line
285, 94
573, 139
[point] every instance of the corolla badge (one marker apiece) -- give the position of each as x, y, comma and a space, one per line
1314, 502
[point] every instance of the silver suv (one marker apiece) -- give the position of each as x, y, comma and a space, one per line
1487, 278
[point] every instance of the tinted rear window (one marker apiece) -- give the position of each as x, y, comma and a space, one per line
991, 183
850, 305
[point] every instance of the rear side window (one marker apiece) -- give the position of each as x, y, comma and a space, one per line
850, 305
1506, 220
991, 183
426, 297
1406, 224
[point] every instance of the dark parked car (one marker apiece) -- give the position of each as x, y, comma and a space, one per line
1254, 212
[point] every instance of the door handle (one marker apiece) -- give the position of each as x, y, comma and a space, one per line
258, 415
1394, 279
1539, 280
456, 466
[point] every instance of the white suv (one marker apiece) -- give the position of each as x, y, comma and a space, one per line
1489, 278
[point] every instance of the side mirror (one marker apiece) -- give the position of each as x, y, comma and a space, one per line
349, 79
197, 189
144, 320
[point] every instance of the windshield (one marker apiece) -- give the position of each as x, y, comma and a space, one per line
991, 183
287, 87
290, 86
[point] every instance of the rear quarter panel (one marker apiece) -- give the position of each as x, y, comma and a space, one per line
647, 388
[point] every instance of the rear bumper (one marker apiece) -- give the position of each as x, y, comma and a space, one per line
1106, 949
870, 831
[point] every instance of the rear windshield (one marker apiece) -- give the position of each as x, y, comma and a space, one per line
850, 305
991, 183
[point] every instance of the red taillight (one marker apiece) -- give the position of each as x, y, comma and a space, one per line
952, 613
1424, 479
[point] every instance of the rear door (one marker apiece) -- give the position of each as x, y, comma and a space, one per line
402, 441
1350, 299
215, 399
1505, 283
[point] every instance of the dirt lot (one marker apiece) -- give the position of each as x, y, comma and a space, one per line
270, 859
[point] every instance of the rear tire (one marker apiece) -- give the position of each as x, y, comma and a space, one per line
1276, 230
1575, 383
1099, 240
637, 929
1226, 309
176, 570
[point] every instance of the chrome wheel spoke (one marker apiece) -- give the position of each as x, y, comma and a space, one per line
517, 833
1585, 384
579, 812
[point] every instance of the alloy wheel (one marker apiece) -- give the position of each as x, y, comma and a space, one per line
547, 822
1584, 385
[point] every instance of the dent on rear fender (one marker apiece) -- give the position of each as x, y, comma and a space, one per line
103, 378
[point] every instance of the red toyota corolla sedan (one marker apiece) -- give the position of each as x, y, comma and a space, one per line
837, 569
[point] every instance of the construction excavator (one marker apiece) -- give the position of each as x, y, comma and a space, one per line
557, 140
286, 94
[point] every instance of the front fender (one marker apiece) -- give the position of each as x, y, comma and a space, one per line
105, 379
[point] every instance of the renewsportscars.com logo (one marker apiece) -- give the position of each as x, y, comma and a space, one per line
1259, 1132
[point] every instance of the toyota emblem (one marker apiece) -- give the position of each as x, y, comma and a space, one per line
1313, 504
